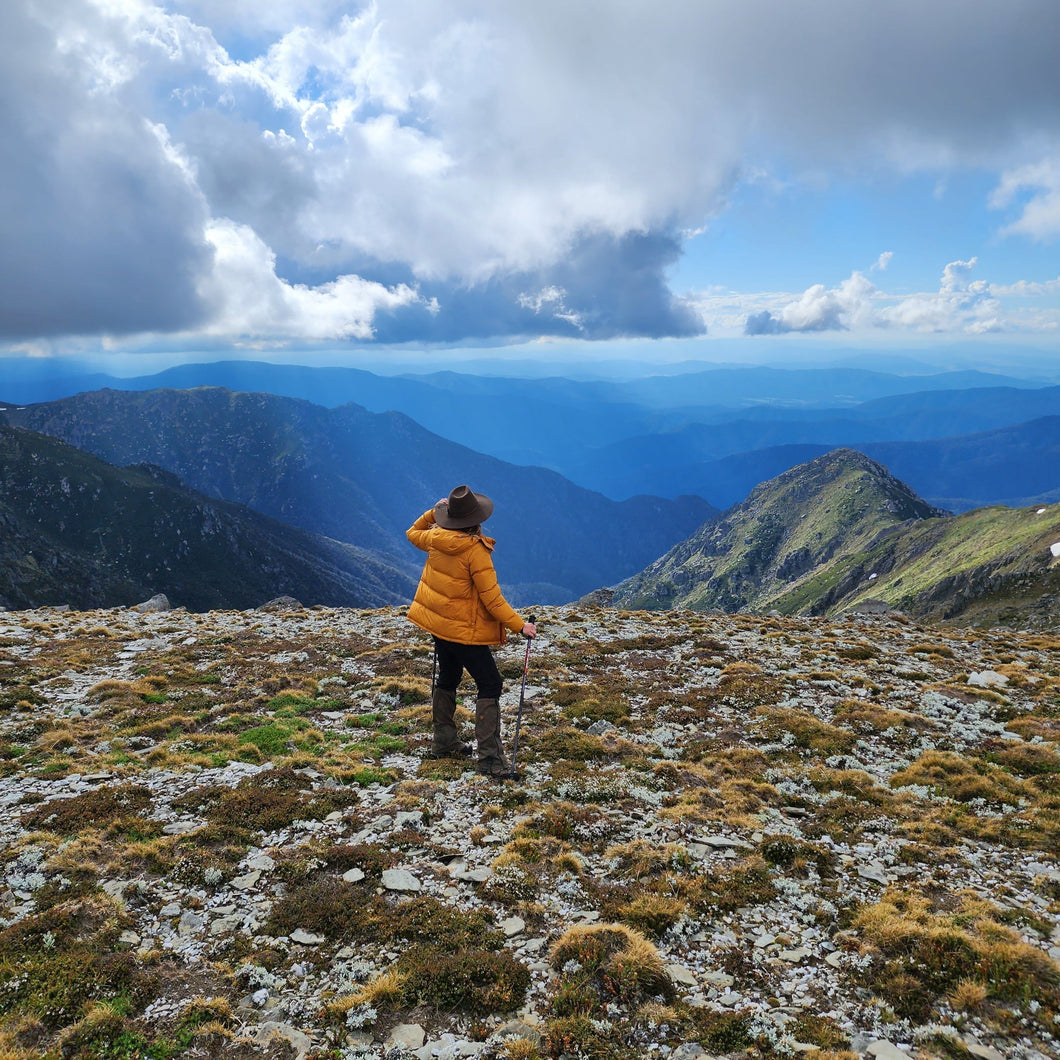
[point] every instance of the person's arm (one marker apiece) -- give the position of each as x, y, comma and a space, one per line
485, 579
417, 533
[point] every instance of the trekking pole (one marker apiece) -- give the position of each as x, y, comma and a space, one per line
434, 667
522, 696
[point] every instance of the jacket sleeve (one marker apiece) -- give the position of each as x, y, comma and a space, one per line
485, 579
417, 533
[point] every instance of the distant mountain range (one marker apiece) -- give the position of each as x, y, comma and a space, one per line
841, 531
363, 477
660, 435
961, 449
75, 530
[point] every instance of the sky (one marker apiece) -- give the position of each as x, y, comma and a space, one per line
191, 178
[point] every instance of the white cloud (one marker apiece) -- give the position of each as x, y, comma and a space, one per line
1040, 217
883, 261
473, 147
961, 306
248, 298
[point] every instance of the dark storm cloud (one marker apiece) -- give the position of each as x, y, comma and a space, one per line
603, 288
100, 229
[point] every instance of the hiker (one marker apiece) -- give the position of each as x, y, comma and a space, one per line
459, 602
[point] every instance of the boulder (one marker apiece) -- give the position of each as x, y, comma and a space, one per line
158, 602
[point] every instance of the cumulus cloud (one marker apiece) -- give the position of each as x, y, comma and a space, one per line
440, 170
248, 298
819, 309
961, 305
1040, 216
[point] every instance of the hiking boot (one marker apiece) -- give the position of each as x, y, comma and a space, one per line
446, 742
459, 750
491, 758
496, 769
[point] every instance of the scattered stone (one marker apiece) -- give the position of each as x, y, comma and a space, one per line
513, 926
400, 880
987, 679
270, 1031
354, 875
680, 974
882, 1049
984, 1052
873, 871
190, 924
244, 883
282, 603
722, 842
158, 602
598, 728
795, 955
307, 938
407, 1036
520, 1029
129, 938
181, 827
460, 871
690, 1051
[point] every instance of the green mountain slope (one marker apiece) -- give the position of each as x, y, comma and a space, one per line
78, 531
786, 529
842, 531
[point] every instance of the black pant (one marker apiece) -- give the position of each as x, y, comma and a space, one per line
477, 659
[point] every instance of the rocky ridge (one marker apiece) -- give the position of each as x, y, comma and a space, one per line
734, 836
842, 532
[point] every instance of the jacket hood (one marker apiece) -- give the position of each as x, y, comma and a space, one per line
454, 542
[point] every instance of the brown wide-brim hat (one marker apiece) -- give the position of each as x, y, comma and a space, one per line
463, 509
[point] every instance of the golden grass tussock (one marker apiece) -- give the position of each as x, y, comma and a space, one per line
807, 731
962, 778
949, 952
619, 960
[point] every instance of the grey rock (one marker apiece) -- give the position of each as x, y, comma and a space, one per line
306, 938
271, 1031
190, 923
874, 872
400, 880
282, 603
181, 827
723, 842
407, 1036
882, 1049
513, 926
519, 1029
987, 679
680, 974
598, 728
984, 1052
158, 602
244, 883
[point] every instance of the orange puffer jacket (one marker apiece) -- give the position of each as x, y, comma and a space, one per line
458, 597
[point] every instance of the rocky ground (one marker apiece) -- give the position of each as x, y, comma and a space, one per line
734, 836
